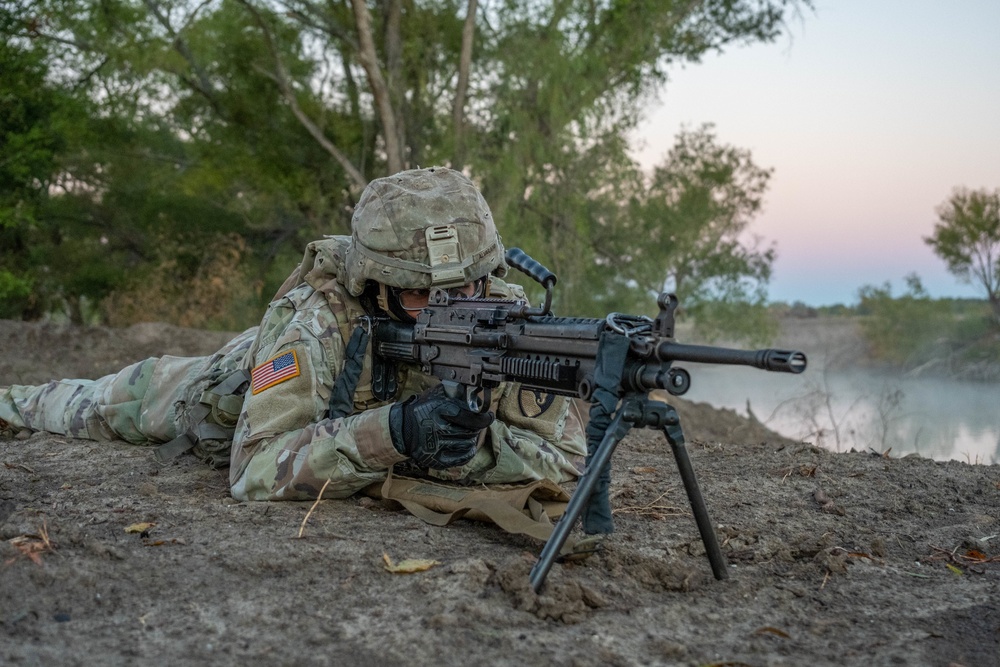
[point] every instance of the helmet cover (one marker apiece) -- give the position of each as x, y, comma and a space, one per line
422, 228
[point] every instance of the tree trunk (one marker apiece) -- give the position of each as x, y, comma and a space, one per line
994, 300
464, 65
379, 88
394, 63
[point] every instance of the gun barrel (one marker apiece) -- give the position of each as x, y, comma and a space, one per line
779, 361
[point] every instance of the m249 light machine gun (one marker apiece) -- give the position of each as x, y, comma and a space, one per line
473, 344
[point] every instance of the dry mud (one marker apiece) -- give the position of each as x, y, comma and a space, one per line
833, 559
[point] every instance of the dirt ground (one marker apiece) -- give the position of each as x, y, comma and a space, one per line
834, 559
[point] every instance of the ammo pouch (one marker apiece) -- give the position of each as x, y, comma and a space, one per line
211, 423
523, 509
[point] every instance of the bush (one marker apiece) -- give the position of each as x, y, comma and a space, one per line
204, 287
15, 294
913, 329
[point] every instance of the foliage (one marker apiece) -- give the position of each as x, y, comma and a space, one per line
913, 329
193, 121
684, 230
205, 288
967, 238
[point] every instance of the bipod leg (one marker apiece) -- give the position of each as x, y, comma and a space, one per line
708, 537
581, 496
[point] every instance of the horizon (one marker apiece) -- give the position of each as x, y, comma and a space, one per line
870, 116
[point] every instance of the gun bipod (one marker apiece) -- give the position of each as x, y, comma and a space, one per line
636, 410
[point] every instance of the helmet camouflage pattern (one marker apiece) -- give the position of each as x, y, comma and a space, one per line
422, 228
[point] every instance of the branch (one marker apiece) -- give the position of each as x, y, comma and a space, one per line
85, 79
204, 85
280, 76
81, 45
380, 91
307, 14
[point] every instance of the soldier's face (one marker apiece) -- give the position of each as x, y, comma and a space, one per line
414, 300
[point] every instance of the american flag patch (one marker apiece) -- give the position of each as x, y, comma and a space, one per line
274, 371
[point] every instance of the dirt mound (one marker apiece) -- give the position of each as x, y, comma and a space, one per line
107, 557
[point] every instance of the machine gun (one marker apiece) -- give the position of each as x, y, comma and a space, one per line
472, 344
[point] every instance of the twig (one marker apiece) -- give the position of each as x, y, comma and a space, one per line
650, 508
968, 558
302, 528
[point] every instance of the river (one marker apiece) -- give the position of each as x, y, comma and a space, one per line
938, 419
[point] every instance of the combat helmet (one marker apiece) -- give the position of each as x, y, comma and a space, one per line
422, 228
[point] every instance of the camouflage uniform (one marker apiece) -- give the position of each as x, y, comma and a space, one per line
149, 402
285, 446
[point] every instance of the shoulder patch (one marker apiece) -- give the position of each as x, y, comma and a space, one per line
274, 371
533, 403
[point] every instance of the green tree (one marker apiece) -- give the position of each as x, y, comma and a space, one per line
685, 230
40, 125
273, 114
899, 329
914, 331
967, 238
165, 160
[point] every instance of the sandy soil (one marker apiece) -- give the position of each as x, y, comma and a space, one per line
833, 558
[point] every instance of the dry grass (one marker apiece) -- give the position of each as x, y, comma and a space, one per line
33, 546
218, 294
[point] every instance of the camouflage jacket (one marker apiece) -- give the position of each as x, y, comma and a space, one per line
286, 447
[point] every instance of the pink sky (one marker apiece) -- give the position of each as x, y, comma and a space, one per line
870, 114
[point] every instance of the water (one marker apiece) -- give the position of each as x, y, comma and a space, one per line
939, 419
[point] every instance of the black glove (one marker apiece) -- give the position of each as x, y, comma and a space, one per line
436, 430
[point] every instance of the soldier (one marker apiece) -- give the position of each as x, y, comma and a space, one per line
291, 404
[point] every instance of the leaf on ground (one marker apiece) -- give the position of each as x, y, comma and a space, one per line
33, 546
30, 546
643, 470
408, 566
954, 570
140, 527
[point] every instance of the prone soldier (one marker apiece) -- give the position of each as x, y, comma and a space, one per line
292, 406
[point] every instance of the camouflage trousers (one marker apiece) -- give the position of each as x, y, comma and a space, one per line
120, 406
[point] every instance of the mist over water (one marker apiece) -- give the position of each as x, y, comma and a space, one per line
840, 411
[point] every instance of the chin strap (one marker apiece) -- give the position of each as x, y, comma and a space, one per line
382, 298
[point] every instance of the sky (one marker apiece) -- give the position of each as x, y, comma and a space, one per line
870, 114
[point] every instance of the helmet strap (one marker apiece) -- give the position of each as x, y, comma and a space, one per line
389, 303
383, 297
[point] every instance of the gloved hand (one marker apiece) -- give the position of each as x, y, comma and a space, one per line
436, 430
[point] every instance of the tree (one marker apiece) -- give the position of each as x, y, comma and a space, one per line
967, 238
169, 155
685, 230
40, 124
277, 112
898, 329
